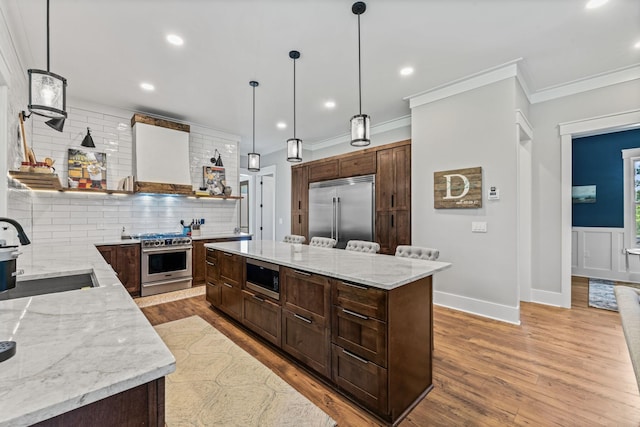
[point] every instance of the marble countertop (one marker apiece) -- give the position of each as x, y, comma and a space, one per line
75, 347
379, 271
203, 236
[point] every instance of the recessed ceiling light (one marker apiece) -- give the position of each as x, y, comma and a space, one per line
330, 104
637, 45
406, 71
147, 86
594, 4
281, 125
175, 40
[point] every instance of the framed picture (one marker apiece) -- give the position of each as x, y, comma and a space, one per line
458, 189
583, 194
87, 170
213, 178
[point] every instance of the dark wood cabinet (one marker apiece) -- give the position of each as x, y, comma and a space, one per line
305, 318
357, 164
224, 278
125, 261
324, 170
300, 200
393, 198
262, 316
198, 263
139, 406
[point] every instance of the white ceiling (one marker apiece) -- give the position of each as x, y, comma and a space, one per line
107, 48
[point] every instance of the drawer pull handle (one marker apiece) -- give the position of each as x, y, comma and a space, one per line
353, 285
211, 264
226, 254
304, 319
210, 249
304, 273
256, 297
353, 313
348, 353
227, 285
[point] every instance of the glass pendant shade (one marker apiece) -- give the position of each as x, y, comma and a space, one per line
254, 162
294, 150
47, 94
360, 133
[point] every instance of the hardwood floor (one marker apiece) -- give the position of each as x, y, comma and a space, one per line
559, 367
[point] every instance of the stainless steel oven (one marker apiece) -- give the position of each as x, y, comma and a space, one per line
263, 277
166, 264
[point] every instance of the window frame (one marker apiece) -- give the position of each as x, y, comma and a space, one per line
630, 156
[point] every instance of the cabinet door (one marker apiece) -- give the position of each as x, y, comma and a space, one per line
364, 380
384, 179
299, 188
402, 178
300, 223
231, 268
128, 267
324, 170
383, 232
361, 164
231, 300
109, 253
198, 262
362, 335
213, 294
307, 340
262, 316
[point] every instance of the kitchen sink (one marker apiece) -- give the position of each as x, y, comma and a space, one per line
49, 285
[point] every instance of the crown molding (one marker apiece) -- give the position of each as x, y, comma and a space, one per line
474, 81
597, 81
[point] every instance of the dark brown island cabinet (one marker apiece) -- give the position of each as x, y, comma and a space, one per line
125, 261
391, 165
199, 254
373, 345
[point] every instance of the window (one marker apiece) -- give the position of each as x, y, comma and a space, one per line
631, 167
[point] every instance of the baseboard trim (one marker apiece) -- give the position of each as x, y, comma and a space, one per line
482, 308
547, 297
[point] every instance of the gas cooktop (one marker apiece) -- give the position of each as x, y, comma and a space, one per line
154, 240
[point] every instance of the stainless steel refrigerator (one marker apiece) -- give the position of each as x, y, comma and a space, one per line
342, 209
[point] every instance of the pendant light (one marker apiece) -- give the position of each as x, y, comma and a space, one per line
48, 92
294, 145
254, 158
360, 123
88, 141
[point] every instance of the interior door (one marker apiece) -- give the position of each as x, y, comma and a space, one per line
244, 207
267, 208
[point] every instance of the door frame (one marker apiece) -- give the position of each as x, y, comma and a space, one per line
267, 170
568, 131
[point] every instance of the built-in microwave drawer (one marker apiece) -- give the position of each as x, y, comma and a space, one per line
263, 277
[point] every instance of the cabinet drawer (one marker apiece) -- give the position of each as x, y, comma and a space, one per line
212, 255
306, 294
324, 170
364, 380
231, 268
262, 316
362, 164
213, 294
231, 300
307, 341
361, 335
212, 270
370, 302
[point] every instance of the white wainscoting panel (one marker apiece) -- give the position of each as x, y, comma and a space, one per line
599, 252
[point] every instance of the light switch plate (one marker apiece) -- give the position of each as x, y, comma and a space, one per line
494, 193
478, 227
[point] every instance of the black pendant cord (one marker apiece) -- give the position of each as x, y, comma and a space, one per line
294, 99
359, 70
48, 36
254, 119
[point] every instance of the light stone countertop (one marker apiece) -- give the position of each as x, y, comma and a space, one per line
204, 236
379, 271
75, 347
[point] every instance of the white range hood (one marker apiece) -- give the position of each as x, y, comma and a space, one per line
160, 151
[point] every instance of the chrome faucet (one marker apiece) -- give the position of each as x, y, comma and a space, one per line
24, 240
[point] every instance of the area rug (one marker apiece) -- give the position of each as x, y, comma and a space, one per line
216, 383
601, 294
170, 296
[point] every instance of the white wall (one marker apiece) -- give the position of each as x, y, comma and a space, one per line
377, 138
545, 117
474, 128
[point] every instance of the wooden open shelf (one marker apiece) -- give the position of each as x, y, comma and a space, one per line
94, 190
203, 196
37, 181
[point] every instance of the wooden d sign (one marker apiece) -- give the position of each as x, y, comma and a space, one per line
458, 189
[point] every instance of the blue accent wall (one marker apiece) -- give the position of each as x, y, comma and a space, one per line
597, 160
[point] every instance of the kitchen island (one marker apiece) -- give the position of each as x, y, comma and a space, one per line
81, 354
363, 322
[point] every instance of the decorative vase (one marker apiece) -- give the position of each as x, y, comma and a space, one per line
227, 191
